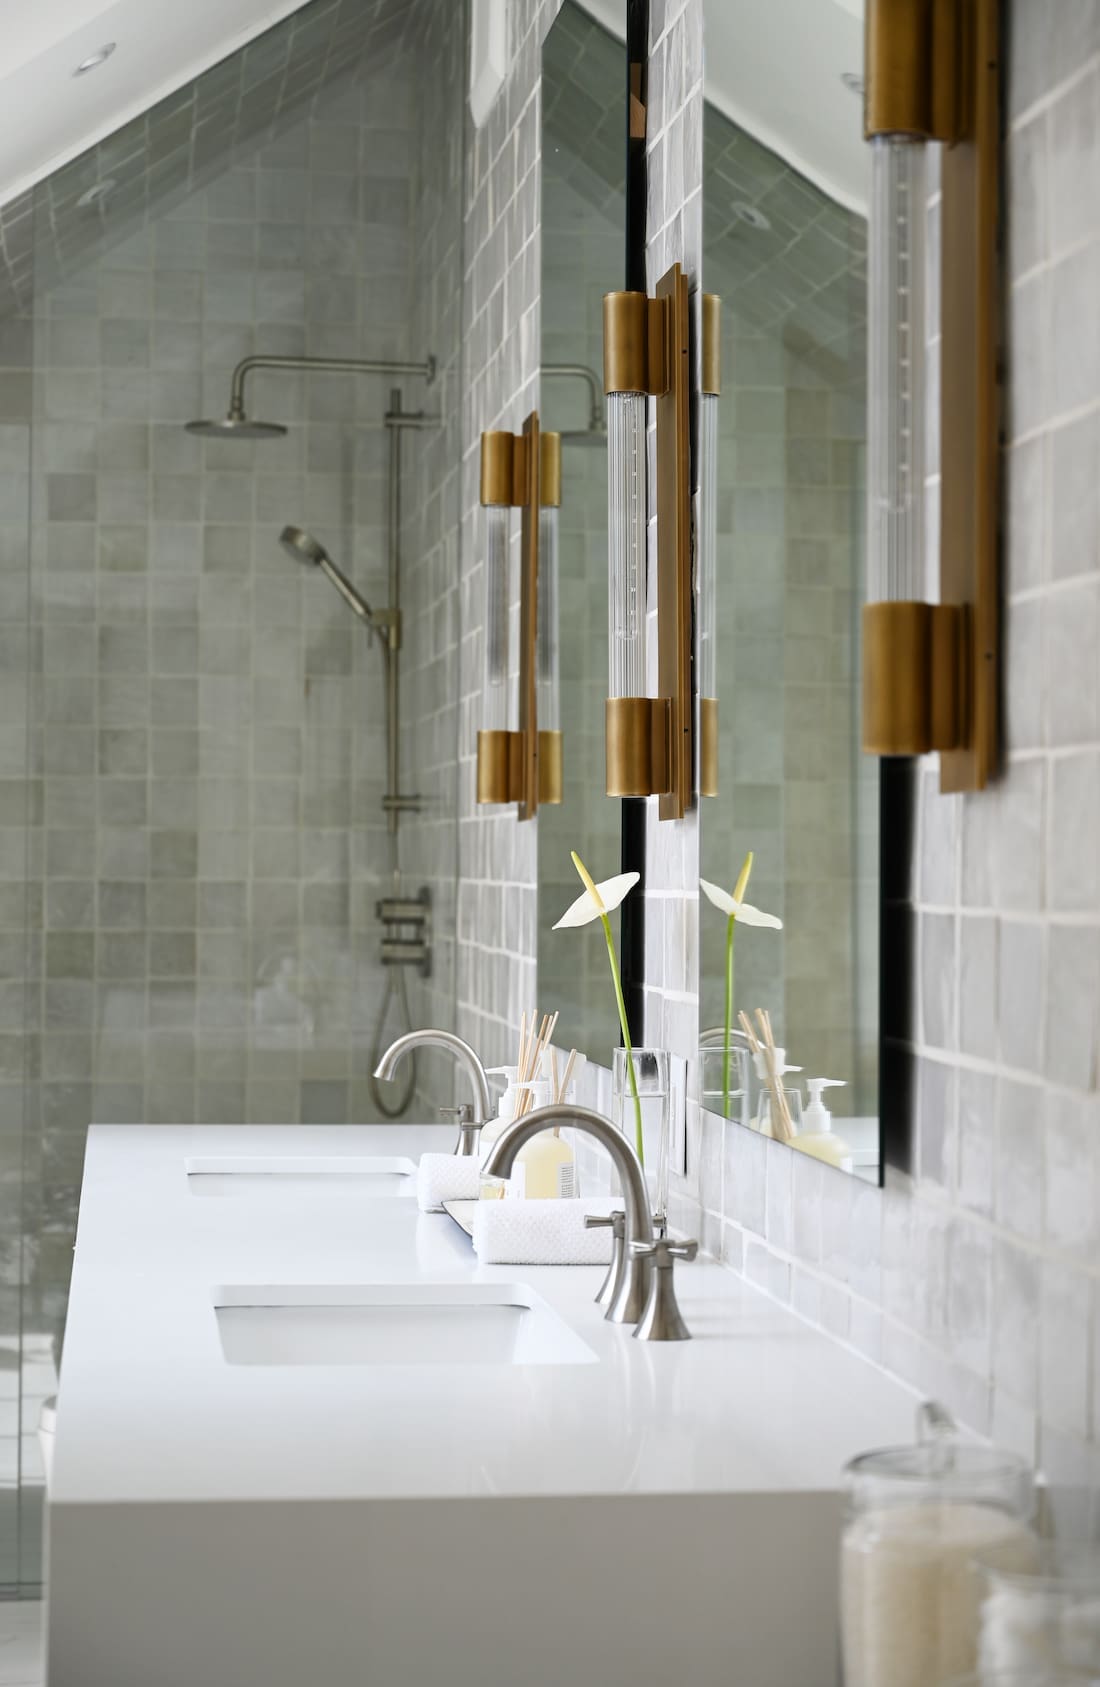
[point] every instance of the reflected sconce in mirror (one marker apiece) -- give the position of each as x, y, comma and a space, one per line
649, 738
930, 678
707, 563
548, 684
516, 762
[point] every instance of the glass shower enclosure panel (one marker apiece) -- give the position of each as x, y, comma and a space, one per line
198, 771
26, 1369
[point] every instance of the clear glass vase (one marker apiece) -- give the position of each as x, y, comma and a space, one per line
652, 1109
726, 1092
768, 1120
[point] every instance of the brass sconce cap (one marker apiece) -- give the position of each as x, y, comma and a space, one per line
636, 735
550, 470
915, 677
625, 347
913, 55
896, 667
497, 467
712, 343
499, 767
550, 767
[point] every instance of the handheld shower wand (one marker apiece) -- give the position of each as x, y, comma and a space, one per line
303, 547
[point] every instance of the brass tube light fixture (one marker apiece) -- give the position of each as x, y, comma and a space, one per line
548, 686
516, 762
707, 564
930, 668
649, 738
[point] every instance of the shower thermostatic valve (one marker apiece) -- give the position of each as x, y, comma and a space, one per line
405, 924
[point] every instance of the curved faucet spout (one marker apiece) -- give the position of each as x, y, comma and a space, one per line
466, 1058
631, 1292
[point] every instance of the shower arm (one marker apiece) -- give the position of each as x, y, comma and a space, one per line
319, 366
581, 372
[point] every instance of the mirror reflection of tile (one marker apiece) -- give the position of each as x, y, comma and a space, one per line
790, 266
583, 211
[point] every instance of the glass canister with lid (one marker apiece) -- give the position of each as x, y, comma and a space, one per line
1044, 1615
917, 1518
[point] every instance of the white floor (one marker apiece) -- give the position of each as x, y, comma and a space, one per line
20, 1643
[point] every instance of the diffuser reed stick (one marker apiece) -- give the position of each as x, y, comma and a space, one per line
782, 1123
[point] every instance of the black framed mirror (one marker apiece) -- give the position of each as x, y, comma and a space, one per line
782, 520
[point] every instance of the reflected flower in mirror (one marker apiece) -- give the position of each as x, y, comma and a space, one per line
598, 902
735, 908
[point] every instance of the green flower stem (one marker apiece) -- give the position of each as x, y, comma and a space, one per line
618, 983
731, 922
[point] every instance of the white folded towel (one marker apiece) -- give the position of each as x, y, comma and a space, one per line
543, 1232
446, 1177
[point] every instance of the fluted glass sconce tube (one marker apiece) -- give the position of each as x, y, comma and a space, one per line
895, 375
626, 510
708, 544
548, 627
495, 703
549, 653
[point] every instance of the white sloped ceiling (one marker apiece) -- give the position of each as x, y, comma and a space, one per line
48, 115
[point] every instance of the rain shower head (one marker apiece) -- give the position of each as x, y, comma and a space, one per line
301, 546
235, 427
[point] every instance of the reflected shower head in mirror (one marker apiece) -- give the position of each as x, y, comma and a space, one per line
235, 427
301, 546
595, 434
587, 436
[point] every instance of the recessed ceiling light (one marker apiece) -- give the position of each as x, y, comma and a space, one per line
852, 81
751, 214
96, 193
100, 55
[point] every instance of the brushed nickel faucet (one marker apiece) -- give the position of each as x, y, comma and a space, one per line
643, 1292
470, 1118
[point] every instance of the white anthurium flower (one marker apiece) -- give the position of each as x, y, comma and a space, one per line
601, 899
743, 912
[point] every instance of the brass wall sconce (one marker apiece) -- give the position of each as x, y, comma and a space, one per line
650, 740
707, 548
516, 762
930, 679
548, 685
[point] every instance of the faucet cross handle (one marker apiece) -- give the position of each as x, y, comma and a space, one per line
616, 1223
468, 1130
661, 1320
664, 1252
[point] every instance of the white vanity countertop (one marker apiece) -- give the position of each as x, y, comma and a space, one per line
150, 1411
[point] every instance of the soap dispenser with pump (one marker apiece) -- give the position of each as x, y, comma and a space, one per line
545, 1167
817, 1136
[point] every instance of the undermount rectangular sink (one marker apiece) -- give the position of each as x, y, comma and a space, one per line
394, 1324
363, 1175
